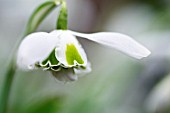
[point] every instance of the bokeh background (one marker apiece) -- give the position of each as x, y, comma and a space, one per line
118, 83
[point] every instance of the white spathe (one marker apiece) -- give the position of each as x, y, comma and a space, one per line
37, 46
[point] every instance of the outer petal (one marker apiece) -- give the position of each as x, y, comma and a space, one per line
35, 48
70, 53
118, 41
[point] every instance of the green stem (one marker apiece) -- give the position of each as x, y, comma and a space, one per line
35, 20
62, 22
7, 86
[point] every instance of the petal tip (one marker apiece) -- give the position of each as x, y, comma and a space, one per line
145, 54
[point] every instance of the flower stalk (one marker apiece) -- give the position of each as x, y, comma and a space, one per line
9, 76
62, 22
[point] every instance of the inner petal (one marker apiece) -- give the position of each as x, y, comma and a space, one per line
51, 60
69, 52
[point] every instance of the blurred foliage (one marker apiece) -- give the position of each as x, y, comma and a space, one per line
155, 4
162, 19
48, 105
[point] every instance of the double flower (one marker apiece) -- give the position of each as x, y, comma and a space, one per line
60, 52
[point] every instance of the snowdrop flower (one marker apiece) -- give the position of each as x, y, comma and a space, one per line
60, 52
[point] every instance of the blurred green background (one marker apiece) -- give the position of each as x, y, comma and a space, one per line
118, 83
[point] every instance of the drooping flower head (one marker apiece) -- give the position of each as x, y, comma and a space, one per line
60, 52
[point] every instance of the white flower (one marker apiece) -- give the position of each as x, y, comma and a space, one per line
61, 53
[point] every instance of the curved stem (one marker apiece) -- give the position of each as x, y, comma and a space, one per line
7, 86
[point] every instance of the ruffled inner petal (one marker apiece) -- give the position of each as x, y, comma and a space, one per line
70, 53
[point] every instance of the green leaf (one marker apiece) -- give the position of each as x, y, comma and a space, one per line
62, 19
39, 15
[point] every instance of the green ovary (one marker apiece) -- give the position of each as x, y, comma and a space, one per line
72, 55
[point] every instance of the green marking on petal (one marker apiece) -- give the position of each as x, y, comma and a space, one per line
51, 58
72, 55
